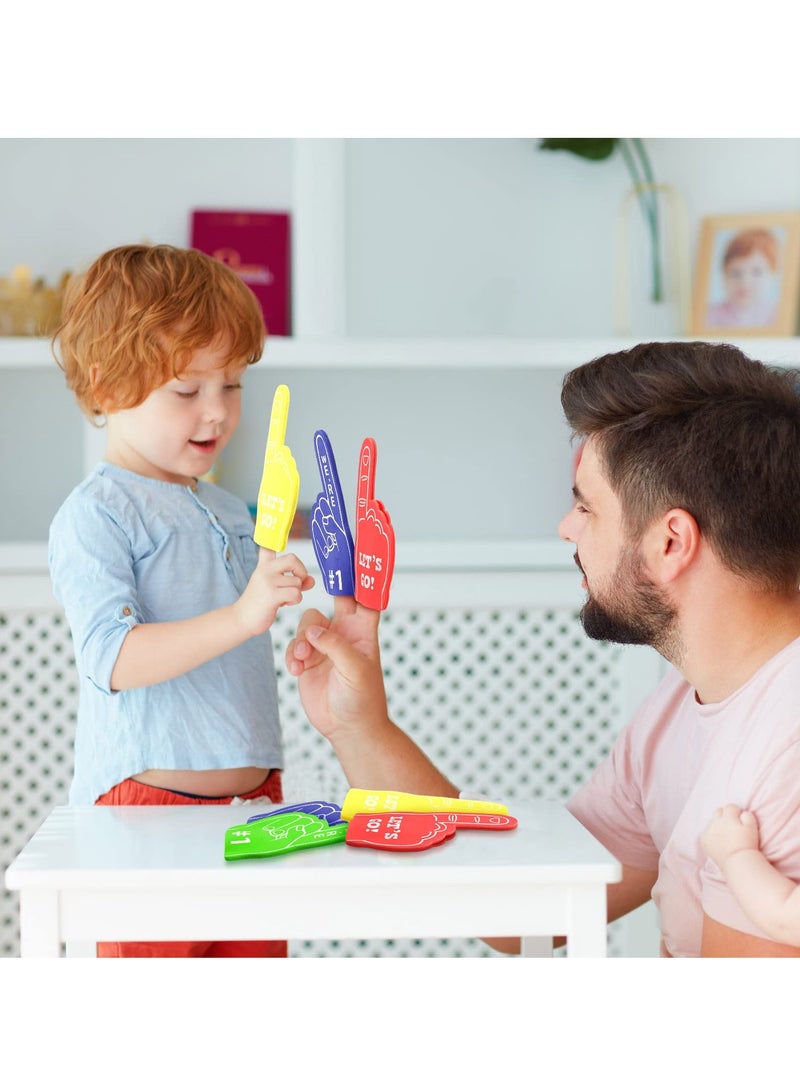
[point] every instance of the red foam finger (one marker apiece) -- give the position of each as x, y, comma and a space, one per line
374, 562
398, 831
465, 821
374, 537
366, 474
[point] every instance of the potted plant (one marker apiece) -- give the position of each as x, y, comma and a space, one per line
637, 161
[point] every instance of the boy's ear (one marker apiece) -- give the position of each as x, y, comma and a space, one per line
94, 379
673, 542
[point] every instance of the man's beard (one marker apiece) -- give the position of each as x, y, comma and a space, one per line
639, 614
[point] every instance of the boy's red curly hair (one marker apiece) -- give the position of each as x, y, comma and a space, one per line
133, 320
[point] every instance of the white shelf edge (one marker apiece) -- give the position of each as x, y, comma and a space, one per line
503, 554
20, 352
445, 352
22, 558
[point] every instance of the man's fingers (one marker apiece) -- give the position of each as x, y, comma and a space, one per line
299, 652
344, 606
341, 653
310, 617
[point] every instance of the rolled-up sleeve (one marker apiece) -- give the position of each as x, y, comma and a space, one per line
609, 805
92, 572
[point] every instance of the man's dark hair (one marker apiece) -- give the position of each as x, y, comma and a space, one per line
705, 428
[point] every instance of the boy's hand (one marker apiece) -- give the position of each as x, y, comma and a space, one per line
729, 831
278, 580
337, 665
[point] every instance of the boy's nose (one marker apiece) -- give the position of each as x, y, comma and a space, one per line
214, 409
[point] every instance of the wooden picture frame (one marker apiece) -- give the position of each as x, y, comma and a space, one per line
747, 279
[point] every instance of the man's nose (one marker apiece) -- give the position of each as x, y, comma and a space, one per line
565, 527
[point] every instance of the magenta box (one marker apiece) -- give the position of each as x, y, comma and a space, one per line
257, 246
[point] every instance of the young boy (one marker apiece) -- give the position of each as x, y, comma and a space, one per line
168, 598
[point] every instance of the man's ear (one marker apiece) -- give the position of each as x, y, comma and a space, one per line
671, 544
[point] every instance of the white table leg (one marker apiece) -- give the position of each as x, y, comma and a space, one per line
39, 935
537, 947
587, 932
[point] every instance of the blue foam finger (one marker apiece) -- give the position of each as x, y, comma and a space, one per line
329, 812
330, 531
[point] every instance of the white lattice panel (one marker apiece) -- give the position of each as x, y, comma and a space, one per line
510, 700
38, 701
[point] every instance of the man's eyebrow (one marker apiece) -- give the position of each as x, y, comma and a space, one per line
578, 495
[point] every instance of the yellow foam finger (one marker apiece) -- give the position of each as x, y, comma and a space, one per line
280, 481
279, 417
367, 801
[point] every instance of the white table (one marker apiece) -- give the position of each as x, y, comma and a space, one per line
159, 873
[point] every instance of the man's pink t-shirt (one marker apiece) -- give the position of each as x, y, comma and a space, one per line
651, 799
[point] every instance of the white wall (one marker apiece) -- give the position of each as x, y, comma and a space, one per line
64, 201
443, 237
479, 455
494, 237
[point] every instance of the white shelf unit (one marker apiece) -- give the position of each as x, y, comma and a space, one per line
444, 352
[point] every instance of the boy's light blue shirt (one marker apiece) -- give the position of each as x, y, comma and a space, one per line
124, 550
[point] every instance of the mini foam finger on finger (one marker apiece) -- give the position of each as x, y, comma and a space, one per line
280, 481
330, 531
375, 541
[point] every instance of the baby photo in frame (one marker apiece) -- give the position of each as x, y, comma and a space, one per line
747, 279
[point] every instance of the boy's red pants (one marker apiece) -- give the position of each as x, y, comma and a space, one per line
130, 793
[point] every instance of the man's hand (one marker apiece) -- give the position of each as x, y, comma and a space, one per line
337, 664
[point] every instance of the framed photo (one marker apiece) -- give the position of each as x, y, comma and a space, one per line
747, 279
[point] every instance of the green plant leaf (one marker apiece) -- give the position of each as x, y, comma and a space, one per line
585, 147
